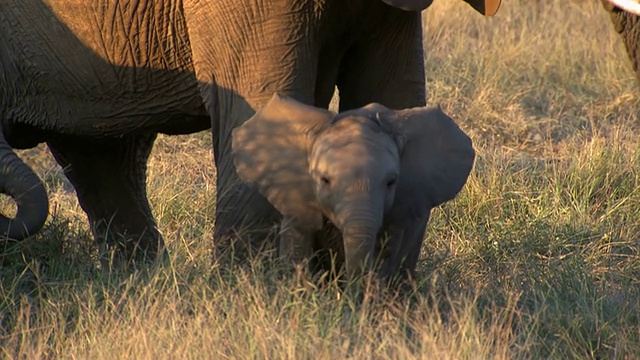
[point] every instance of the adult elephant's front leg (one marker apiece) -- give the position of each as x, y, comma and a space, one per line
386, 67
244, 52
110, 180
244, 218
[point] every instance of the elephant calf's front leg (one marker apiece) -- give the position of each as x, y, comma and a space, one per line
296, 243
405, 242
110, 181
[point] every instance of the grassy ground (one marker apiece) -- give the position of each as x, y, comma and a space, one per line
538, 257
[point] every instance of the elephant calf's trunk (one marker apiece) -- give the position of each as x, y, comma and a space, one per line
359, 248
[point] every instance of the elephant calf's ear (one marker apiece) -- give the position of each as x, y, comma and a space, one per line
436, 159
270, 150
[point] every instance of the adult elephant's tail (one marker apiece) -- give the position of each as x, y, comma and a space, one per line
23, 185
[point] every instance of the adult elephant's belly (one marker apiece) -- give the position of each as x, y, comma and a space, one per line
97, 68
169, 107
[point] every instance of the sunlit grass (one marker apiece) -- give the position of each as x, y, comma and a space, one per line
538, 257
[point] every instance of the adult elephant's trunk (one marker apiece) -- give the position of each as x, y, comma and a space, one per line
359, 236
23, 185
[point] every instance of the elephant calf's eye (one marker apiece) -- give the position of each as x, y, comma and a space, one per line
325, 180
391, 183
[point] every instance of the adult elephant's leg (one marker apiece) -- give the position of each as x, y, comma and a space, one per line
628, 26
110, 180
244, 218
244, 52
386, 67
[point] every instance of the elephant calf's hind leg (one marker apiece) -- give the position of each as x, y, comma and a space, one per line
110, 181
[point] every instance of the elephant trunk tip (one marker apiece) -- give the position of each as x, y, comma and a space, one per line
27, 190
359, 248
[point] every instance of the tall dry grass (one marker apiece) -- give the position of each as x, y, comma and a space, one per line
538, 257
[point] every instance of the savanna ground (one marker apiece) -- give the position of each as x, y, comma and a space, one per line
538, 257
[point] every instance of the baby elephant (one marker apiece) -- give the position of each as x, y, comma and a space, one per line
372, 173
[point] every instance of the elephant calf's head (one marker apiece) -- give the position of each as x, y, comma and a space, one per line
354, 164
359, 169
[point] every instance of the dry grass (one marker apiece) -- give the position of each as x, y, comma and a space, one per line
539, 256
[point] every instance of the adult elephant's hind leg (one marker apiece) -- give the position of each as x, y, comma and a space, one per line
110, 180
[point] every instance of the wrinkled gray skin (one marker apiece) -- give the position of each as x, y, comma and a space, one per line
97, 80
372, 173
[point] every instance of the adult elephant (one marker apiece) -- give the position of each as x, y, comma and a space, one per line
97, 80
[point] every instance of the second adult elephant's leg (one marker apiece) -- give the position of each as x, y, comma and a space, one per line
386, 67
110, 180
628, 26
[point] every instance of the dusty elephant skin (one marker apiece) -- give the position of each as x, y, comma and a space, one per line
372, 173
97, 80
